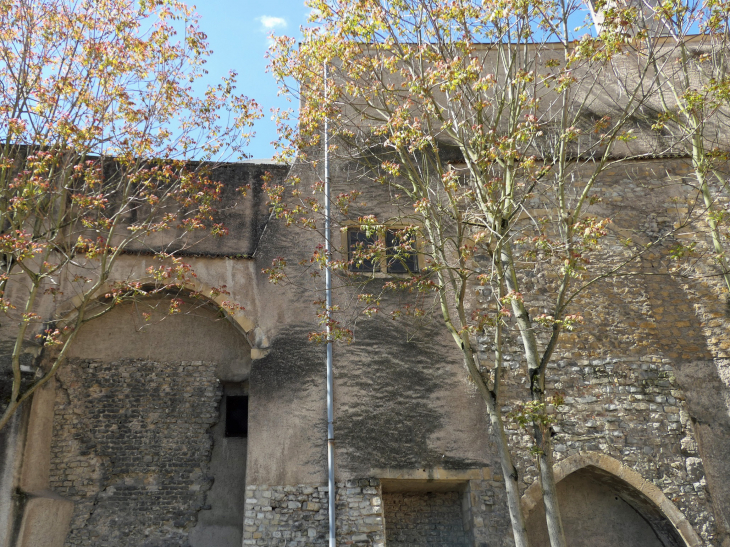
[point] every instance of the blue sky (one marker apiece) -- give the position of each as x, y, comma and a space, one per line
238, 34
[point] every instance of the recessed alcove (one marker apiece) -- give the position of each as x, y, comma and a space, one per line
424, 513
139, 441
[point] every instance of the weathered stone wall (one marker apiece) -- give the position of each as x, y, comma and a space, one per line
646, 374
645, 377
486, 517
630, 373
632, 410
424, 519
297, 516
131, 447
642, 376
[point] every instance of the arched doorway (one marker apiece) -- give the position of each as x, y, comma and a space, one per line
604, 503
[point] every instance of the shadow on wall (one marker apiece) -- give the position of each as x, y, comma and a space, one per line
399, 386
679, 336
600, 510
390, 398
287, 411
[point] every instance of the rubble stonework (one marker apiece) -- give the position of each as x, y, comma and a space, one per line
633, 411
431, 519
486, 518
131, 447
298, 515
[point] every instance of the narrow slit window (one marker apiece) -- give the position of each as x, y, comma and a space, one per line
237, 416
401, 252
359, 242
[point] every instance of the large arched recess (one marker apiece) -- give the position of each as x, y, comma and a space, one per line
597, 493
134, 415
206, 296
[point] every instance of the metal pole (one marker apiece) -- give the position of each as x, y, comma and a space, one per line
328, 297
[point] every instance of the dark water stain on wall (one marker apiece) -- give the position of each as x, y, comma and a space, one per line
293, 364
394, 401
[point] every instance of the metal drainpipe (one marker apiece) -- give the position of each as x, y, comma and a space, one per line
328, 291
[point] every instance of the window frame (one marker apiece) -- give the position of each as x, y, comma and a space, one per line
382, 265
376, 265
390, 257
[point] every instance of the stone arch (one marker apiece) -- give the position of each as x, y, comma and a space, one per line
48, 515
240, 319
641, 493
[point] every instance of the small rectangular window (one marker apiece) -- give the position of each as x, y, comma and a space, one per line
401, 252
357, 242
237, 416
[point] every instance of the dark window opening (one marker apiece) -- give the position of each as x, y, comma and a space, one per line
237, 416
358, 242
401, 252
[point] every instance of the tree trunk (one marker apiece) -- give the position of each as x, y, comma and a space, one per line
550, 491
517, 518
542, 438
509, 471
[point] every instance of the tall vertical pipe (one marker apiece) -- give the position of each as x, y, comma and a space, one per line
328, 299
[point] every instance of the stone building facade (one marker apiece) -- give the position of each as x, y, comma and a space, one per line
133, 444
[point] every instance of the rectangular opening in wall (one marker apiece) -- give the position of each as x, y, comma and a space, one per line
237, 416
424, 514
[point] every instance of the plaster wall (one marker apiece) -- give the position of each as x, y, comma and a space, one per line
197, 333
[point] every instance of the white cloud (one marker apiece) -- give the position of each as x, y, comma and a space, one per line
269, 23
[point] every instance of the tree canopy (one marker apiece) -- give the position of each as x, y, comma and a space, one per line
487, 126
105, 145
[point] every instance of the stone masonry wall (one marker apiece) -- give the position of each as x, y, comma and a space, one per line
639, 375
131, 440
424, 519
633, 411
486, 517
297, 516
131, 447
